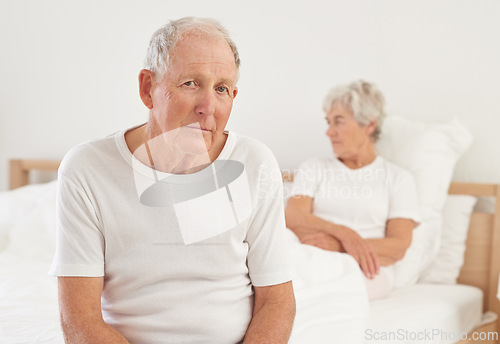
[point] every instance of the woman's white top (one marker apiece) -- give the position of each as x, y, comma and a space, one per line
362, 199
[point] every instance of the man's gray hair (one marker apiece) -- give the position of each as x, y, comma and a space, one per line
164, 40
363, 99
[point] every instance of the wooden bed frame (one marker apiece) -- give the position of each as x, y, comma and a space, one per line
482, 257
19, 170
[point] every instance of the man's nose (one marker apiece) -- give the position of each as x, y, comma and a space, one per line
206, 103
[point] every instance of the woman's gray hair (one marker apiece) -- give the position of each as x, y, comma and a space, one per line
363, 99
164, 40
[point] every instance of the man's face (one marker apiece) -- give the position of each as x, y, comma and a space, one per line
196, 94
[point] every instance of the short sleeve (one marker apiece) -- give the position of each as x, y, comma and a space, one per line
306, 179
404, 198
80, 242
268, 257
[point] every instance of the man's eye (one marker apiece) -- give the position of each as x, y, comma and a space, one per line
222, 89
189, 83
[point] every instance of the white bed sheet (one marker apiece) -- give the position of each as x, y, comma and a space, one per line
28, 296
434, 313
331, 297
28, 306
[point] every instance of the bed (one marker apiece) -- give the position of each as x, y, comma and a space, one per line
461, 313
28, 310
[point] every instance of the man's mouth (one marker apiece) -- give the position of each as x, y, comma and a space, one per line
199, 128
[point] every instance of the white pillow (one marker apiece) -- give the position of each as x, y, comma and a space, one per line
450, 258
429, 151
15, 206
30, 224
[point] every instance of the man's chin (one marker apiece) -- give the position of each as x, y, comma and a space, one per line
195, 147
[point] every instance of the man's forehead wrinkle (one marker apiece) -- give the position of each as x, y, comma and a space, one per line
193, 59
223, 72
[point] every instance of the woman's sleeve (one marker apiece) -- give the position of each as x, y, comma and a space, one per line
404, 199
306, 179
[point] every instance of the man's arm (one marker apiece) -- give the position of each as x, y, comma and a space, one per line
273, 314
81, 316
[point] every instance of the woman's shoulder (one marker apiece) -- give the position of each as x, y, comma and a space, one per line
317, 163
396, 173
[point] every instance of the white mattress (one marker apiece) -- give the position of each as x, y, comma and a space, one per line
28, 308
425, 313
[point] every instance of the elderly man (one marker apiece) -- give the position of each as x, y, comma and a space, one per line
171, 231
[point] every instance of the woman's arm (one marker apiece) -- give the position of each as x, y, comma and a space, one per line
393, 246
301, 220
389, 249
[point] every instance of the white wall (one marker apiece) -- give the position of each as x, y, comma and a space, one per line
69, 69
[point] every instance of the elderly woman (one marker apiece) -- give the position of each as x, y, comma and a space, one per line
356, 202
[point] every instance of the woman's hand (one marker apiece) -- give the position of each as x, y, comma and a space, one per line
359, 248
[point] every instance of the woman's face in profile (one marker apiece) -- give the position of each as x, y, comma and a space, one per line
348, 138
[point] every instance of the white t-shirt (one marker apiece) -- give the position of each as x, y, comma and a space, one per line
362, 199
163, 282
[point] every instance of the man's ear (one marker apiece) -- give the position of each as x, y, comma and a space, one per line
235, 92
146, 79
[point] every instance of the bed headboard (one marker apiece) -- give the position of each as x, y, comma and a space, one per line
20, 170
482, 257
